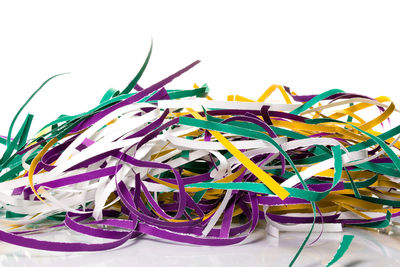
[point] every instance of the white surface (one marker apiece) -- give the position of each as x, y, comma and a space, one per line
368, 249
311, 46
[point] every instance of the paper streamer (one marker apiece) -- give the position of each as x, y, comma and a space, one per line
180, 166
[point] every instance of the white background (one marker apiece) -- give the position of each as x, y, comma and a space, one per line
245, 46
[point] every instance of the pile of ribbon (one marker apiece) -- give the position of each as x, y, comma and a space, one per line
180, 166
